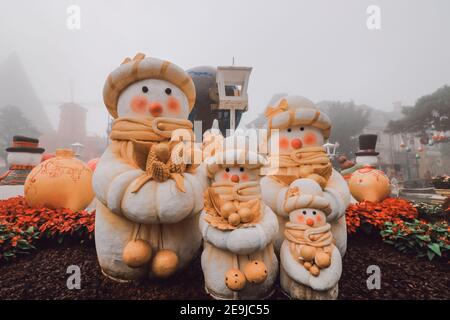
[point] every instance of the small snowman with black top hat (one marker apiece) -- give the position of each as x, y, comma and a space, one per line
23, 156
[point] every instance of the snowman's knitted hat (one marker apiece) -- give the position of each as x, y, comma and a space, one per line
232, 155
141, 68
306, 194
296, 111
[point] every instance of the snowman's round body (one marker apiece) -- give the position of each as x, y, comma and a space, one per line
239, 263
145, 226
21, 164
299, 137
309, 271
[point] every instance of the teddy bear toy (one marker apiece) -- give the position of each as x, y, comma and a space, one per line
310, 262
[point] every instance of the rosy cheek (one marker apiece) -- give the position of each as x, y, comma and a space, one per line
225, 176
310, 138
319, 219
244, 177
301, 219
173, 104
139, 104
284, 143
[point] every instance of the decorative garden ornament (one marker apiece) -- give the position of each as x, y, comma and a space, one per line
60, 182
302, 132
369, 184
238, 258
365, 156
22, 157
366, 182
311, 264
149, 193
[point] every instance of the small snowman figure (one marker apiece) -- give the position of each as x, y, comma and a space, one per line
366, 156
23, 156
238, 258
149, 193
302, 131
311, 264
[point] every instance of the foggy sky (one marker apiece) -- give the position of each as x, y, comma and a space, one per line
319, 49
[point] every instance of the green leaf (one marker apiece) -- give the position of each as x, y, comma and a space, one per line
430, 254
435, 248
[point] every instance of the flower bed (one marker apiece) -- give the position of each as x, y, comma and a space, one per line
21, 226
397, 221
441, 182
418, 236
375, 215
433, 212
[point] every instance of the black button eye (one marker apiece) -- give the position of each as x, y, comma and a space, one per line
301, 128
227, 169
304, 212
168, 91
241, 169
314, 213
144, 89
289, 130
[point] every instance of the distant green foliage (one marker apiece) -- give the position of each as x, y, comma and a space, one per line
430, 110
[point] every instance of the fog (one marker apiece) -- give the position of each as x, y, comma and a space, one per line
320, 49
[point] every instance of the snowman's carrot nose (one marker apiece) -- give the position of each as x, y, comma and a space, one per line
235, 178
296, 143
310, 222
156, 109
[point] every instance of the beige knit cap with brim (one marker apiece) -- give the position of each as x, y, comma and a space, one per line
236, 157
141, 68
293, 111
306, 194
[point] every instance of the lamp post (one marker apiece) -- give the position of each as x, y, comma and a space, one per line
232, 84
77, 148
331, 149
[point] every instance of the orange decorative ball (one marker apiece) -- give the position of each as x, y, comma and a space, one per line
137, 253
60, 182
314, 270
246, 215
227, 208
255, 271
322, 260
307, 253
369, 184
235, 279
234, 219
164, 263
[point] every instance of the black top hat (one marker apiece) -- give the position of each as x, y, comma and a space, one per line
367, 144
25, 144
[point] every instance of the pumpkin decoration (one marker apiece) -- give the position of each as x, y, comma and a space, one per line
60, 182
369, 184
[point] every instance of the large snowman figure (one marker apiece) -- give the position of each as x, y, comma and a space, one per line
149, 195
302, 131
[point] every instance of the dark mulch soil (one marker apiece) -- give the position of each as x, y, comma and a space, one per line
42, 275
